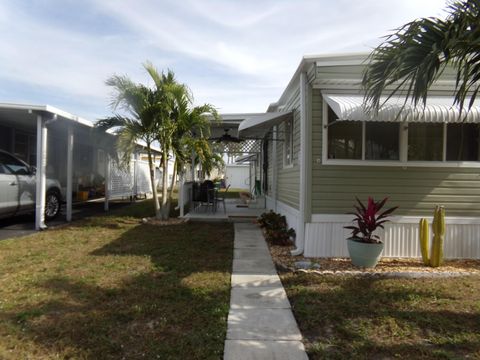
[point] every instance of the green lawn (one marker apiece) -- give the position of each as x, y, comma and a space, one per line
112, 288
232, 193
347, 317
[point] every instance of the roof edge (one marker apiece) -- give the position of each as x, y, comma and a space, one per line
333, 59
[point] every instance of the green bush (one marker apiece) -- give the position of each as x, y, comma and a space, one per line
275, 228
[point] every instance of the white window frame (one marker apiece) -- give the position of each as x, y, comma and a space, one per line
403, 150
289, 136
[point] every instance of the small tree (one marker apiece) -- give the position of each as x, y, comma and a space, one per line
181, 130
142, 108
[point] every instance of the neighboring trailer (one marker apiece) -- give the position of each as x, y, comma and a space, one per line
65, 147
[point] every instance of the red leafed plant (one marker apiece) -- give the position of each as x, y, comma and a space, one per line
368, 219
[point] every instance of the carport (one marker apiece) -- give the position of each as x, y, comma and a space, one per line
65, 147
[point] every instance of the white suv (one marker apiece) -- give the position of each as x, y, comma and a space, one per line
17, 189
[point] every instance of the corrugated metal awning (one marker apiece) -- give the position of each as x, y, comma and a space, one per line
257, 126
438, 109
246, 158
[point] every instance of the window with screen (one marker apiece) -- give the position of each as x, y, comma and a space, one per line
344, 138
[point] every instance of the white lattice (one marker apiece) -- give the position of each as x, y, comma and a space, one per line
135, 180
244, 147
121, 181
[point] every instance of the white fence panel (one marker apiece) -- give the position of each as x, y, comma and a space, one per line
135, 180
121, 181
143, 183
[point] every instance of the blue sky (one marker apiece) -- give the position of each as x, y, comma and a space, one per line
237, 55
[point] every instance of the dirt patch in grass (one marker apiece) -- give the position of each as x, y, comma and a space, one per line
159, 222
351, 317
113, 288
284, 260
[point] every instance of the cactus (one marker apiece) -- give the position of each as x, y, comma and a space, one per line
438, 227
424, 237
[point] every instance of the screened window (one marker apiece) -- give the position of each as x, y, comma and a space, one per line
344, 138
381, 141
425, 142
394, 141
462, 142
288, 144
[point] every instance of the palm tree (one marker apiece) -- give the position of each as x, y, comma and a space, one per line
191, 132
412, 58
142, 108
182, 129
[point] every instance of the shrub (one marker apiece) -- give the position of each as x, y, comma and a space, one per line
275, 228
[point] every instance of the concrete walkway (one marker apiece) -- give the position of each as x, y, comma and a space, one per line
260, 323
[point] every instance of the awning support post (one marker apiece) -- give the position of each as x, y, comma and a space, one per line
107, 182
274, 167
135, 176
69, 172
181, 195
41, 180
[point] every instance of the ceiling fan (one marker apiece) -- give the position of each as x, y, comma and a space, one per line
226, 138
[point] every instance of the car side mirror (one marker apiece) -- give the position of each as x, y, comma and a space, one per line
33, 170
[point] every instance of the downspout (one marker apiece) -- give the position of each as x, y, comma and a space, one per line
305, 164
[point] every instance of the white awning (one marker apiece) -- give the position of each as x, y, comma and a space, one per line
438, 109
246, 158
257, 126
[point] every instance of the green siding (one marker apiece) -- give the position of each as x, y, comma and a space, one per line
415, 190
316, 127
288, 179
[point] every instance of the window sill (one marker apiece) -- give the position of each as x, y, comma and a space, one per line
439, 164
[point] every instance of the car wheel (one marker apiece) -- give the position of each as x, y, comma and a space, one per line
52, 205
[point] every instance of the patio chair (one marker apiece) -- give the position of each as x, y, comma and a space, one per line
222, 199
203, 195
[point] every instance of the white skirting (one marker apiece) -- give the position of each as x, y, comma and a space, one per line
325, 237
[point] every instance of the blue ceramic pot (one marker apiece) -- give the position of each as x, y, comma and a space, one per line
364, 254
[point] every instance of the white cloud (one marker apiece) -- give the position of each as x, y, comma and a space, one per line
237, 55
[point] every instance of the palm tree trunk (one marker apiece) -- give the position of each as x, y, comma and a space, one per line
165, 185
172, 185
152, 181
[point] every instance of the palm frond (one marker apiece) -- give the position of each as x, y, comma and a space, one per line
414, 56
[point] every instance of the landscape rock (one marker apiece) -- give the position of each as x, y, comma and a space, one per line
303, 264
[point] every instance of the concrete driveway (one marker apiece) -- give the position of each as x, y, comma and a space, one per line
25, 224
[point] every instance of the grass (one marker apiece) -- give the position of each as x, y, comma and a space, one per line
232, 193
361, 318
112, 288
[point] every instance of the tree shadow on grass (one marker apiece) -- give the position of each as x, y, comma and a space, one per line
384, 318
175, 309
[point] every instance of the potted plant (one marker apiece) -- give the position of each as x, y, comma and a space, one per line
364, 246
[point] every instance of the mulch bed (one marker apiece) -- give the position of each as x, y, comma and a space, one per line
286, 262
